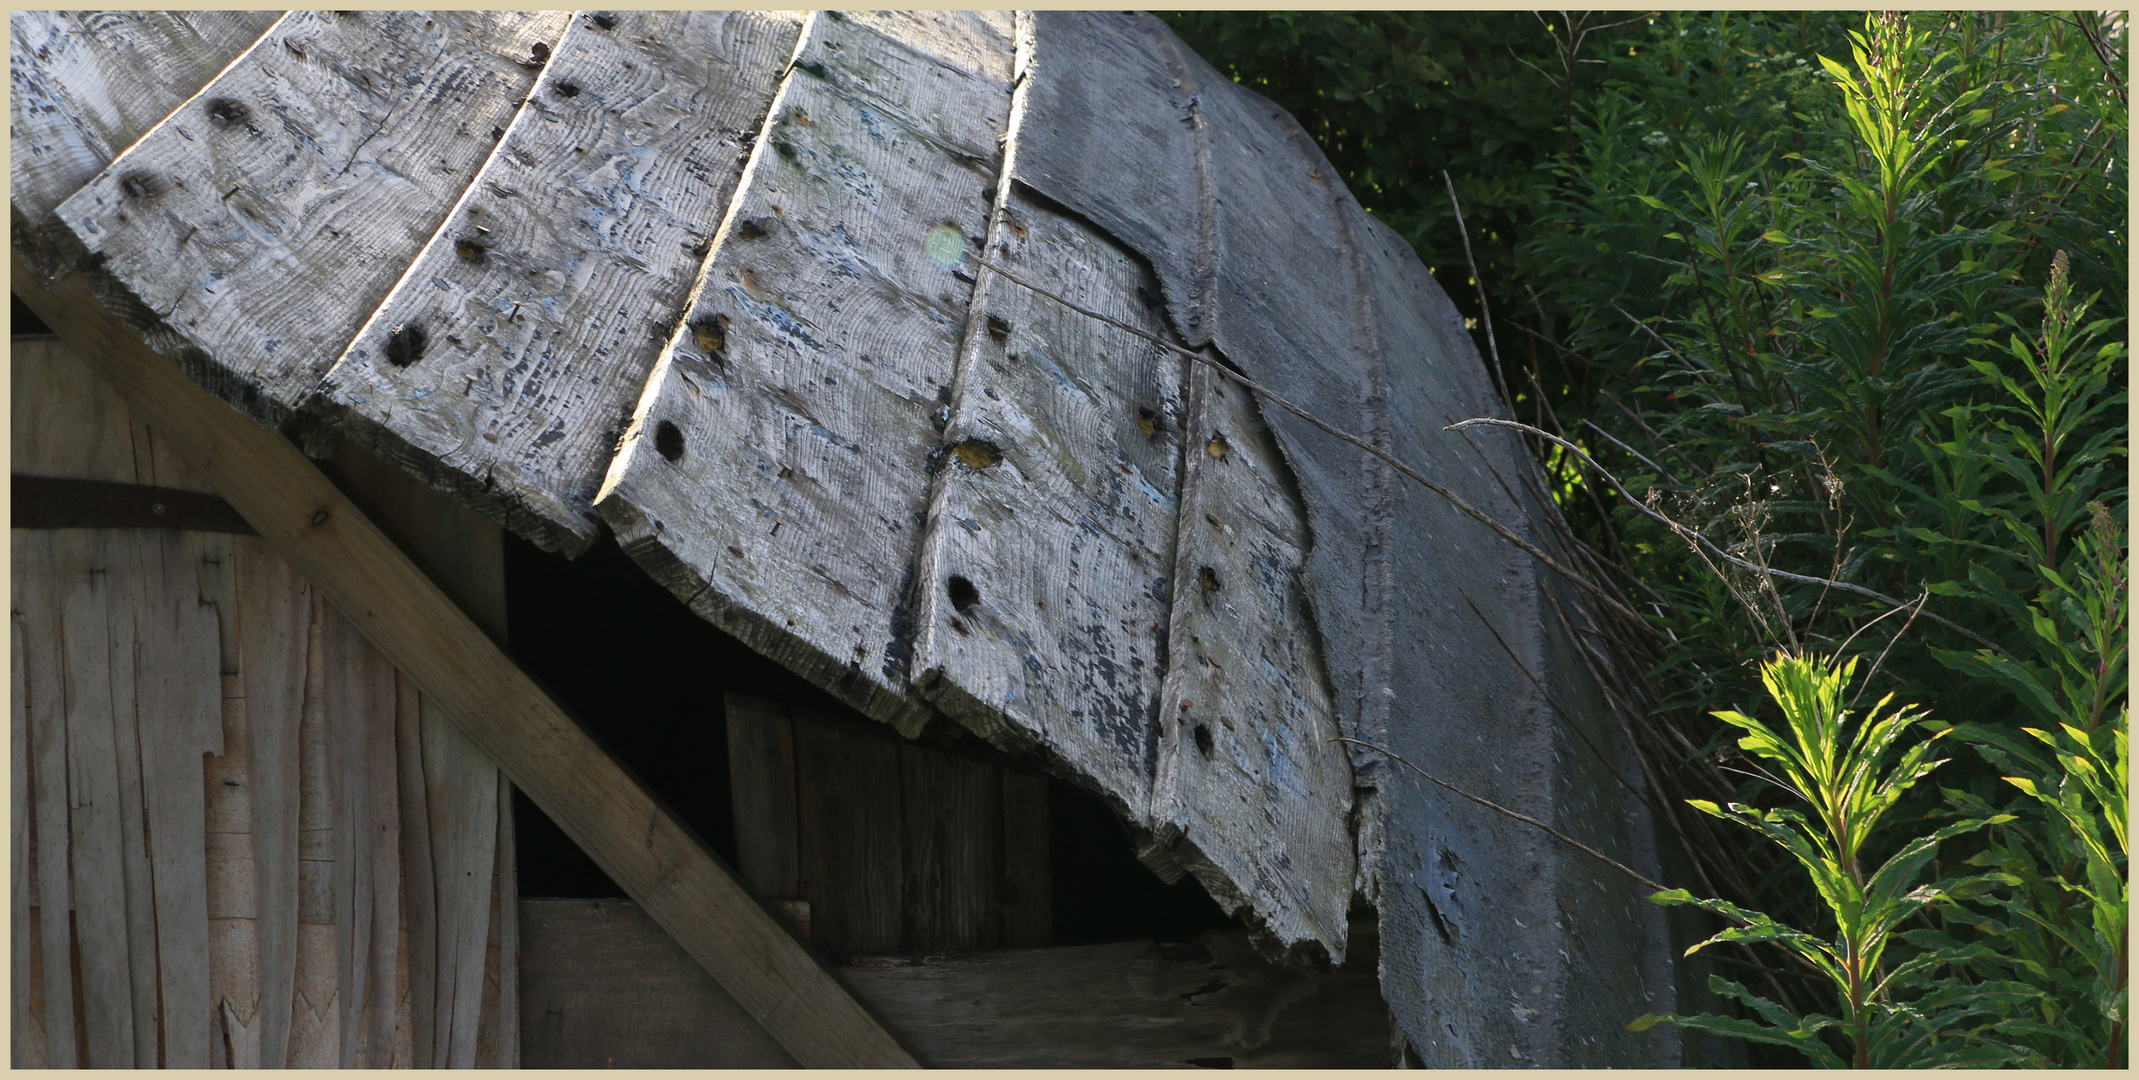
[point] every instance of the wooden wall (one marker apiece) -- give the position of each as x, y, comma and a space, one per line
241, 838
867, 842
607, 989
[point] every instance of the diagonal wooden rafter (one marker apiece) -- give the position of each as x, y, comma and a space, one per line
658, 861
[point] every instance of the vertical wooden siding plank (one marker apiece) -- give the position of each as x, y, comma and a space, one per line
49, 561
952, 817
86, 84
232, 890
1028, 879
274, 617
179, 684
761, 777
232, 893
367, 846
66, 421
315, 1022
26, 1038
462, 795
847, 819
125, 599
418, 883
93, 796
618, 171
505, 923
381, 828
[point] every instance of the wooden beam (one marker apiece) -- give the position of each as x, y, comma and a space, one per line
600, 806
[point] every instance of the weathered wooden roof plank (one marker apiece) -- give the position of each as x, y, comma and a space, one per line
83, 85
1274, 263
774, 472
266, 219
1253, 792
505, 363
1043, 589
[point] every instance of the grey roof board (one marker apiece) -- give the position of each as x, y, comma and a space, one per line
803, 404
1263, 253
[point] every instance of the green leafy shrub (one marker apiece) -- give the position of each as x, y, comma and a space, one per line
1847, 296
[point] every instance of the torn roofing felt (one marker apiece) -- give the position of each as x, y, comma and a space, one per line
715, 282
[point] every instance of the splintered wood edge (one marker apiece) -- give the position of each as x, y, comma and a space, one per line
321, 532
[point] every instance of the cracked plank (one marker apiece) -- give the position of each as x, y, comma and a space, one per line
773, 474
504, 365
265, 219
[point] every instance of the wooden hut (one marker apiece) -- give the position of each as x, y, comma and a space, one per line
1026, 409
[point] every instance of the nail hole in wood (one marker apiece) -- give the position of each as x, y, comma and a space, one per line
404, 344
998, 328
225, 113
140, 185
603, 20
471, 250
668, 439
1209, 578
963, 595
1203, 739
567, 90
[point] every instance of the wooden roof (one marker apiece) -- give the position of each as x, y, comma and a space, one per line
862, 332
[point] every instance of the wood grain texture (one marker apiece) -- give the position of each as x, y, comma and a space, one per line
1028, 877
1253, 791
1211, 1003
367, 850
26, 1048
232, 894
462, 796
418, 876
266, 219
605, 989
774, 473
850, 839
426, 635
95, 811
761, 778
39, 599
124, 597
180, 719
274, 617
545, 298
65, 420
315, 1025
83, 85
501, 1008
1263, 254
1049, 558
952, 814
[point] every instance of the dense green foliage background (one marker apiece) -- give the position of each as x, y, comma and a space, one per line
1843, 298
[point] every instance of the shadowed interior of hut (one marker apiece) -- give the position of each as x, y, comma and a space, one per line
648, 679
